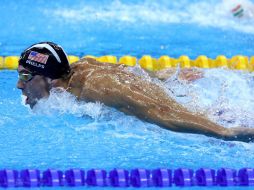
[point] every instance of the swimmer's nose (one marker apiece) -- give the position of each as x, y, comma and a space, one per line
20, 85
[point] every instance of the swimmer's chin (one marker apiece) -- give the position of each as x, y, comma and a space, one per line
31, 104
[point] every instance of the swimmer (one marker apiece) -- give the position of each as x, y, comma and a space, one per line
44, 66
243, 9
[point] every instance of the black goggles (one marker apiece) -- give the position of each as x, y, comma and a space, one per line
25, 76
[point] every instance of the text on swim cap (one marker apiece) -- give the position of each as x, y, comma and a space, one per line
35, 64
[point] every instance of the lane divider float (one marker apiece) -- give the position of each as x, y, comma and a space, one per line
238, 62
138, 177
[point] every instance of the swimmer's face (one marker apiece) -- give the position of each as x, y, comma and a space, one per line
33, 86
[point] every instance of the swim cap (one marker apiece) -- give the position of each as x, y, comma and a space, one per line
47, 59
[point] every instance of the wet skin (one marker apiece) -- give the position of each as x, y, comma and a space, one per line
114, 86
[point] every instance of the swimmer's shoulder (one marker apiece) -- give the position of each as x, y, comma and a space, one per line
86, 66
89, 62
83, 61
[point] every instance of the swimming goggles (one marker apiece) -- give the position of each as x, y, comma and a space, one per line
25, 77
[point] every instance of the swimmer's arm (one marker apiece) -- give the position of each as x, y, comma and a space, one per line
181, 120
176, 118
161, 110
201, 125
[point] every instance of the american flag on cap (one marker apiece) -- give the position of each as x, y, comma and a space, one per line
38, 57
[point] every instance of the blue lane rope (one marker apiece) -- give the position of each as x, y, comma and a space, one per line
123, 178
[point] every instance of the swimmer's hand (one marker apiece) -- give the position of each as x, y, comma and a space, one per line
240, 134
190, 74
187, 74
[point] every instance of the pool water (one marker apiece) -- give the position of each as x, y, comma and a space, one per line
63, 133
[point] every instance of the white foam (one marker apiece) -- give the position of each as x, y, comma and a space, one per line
225, 96
64, 102
23, 101
209, 13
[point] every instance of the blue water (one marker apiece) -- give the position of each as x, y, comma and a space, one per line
63, 133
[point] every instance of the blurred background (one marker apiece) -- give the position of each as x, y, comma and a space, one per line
119, 27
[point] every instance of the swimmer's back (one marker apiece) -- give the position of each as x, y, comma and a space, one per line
116, 87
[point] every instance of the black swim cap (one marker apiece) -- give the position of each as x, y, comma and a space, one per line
47, 59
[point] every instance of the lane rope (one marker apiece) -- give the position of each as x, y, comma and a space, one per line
238, 62
138, 177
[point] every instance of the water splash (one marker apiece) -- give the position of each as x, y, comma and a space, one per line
65, 103
102, 117
225, 96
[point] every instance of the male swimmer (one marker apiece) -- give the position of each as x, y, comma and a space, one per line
44, 66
